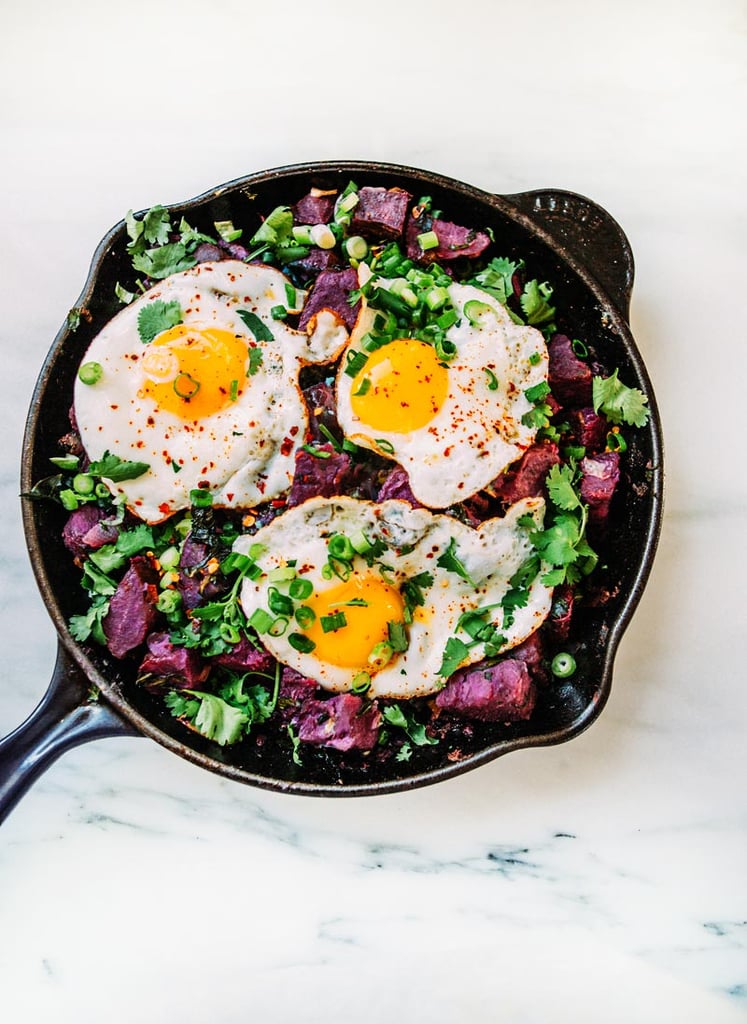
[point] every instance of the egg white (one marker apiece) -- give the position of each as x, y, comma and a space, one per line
477, 432
416, 538
243, 454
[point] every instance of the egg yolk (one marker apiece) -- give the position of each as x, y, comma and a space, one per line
368, 605
194, 372
401, 387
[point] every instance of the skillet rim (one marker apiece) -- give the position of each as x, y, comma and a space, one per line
618, 323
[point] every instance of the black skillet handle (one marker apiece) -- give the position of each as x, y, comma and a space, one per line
64, 718
589, 233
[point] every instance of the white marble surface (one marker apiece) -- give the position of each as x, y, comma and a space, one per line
602, 880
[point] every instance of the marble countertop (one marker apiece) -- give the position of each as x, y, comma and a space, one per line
598, 880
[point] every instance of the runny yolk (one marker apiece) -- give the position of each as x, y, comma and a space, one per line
401, 387
375, 605
194, 372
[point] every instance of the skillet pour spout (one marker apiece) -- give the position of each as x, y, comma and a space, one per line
567, 240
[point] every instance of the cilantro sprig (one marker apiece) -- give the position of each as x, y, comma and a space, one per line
228, 715
618, 402
562, 542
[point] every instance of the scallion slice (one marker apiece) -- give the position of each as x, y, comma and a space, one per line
90, 373
428, 240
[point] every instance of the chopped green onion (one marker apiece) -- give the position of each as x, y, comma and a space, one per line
69, 501
381, 655
322, 236
579, 348
227, 231
428, 240
445, 349
447, 319
339, 546
83, 483
67, 463
90, 373
234, 390
123, 295
279, 603
305, 616
563, 665
361, 682
301, 643
186, 386
616, 442
278, 626
318, 453
535, 358
282, 574
290, 295
260, 620
384, 445
492, 380
201, 498
347, 203
331, 623
365, 387
435, 298
300, 589
302, 234
102, 491
278, 312
235, 561
169, 558
356, 247
355, 363
229, 633
475, 310
361, 543
169, 601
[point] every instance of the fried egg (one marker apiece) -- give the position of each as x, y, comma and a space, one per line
412, 582
212, 399
454, 426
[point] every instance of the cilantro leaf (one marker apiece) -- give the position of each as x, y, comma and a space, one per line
255, 361
396, 716
218, 720
116, 469
89, 625
535, 302
181, 706
139, 538
448, 560
156, 317
497, 278
156, 225
275, 228
557, 544
454, 654
164, 261
618, 402
560, 487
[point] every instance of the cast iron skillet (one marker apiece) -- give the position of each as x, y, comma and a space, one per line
565, 239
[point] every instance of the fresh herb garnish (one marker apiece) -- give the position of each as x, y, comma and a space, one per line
157, 316
258, 327
618, 402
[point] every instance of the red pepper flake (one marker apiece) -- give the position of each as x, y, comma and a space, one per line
287, 446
